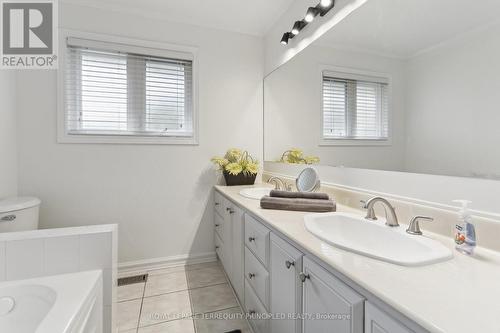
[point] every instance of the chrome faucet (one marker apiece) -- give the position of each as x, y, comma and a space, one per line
279, 184
390, 213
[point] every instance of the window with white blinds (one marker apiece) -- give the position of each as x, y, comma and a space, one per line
355, 107
114, 90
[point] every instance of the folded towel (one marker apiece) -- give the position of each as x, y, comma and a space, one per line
298, 204
304, 195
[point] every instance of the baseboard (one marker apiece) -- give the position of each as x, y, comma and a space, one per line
141, 266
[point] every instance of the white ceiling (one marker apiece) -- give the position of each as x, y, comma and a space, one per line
403, 28
254, 17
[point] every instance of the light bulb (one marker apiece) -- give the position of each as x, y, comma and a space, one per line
297, 27
284, 39
325, 3
311, 14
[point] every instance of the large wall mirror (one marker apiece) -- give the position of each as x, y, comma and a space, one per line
407, 86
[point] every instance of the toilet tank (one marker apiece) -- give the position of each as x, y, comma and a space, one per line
19, 214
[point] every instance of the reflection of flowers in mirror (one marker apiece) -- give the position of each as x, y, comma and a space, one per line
296, 156
236, 161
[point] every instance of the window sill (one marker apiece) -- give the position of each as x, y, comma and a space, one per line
124, 139
355, 142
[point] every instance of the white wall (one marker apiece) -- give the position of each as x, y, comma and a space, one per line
292, 106
452, 105
8, 151
159, 195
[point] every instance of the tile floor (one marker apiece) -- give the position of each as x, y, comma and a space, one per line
187, 299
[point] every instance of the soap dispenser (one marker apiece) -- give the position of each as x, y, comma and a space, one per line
465, 233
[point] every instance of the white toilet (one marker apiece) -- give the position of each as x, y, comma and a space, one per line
19, 214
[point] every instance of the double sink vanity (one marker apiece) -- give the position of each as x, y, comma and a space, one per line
339, 272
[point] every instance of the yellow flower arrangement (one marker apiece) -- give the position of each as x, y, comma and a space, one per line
296, 156
236, 161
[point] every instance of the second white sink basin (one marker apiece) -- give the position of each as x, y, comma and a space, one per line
255, 192
374, 239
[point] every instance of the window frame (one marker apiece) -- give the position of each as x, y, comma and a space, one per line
357, 74
159, 49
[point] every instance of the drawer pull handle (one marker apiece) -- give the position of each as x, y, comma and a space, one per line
8, 218
231, 211
303, 277
228, 209
217, 247
289, 264
217, 225
251, 275
217, 203
251, 239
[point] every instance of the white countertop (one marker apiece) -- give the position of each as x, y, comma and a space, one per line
459, 295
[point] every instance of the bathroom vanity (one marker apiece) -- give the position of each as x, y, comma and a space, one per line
277, 268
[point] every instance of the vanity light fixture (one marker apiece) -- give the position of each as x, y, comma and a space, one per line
312, 12
297, 27
321, 9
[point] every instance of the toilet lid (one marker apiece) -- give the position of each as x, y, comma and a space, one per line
18, 203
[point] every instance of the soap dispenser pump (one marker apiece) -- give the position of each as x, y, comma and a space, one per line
465, 233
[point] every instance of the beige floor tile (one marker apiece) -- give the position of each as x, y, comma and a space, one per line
128, 314
213, 298
222, 321
166, 283
205, 277
130, 291
175, 326
183, 268
166, 307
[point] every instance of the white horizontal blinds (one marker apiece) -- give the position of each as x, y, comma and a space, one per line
111, 92
354, 109
169, 96
334, 108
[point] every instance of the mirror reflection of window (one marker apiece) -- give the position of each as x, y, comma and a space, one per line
355, 108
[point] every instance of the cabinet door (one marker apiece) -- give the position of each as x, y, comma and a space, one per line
237, 269
227, 237
286, 287
377, 321
329, 305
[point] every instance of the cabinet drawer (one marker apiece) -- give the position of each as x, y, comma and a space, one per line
257, 277
257, 239
256, 311
219, 203
219, 225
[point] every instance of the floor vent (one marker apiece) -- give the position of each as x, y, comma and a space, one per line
132, 279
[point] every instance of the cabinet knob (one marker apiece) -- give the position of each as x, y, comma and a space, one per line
251, 275
303, 277
217, 203
217, 225
231, 211
217, 246
289, 264
251, 239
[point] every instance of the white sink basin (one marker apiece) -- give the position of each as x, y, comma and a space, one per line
374, 239
255, 192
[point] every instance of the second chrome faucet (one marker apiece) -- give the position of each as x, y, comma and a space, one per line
390, 213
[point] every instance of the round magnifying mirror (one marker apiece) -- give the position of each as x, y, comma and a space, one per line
308, 180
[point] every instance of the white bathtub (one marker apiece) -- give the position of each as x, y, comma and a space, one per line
68, 303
